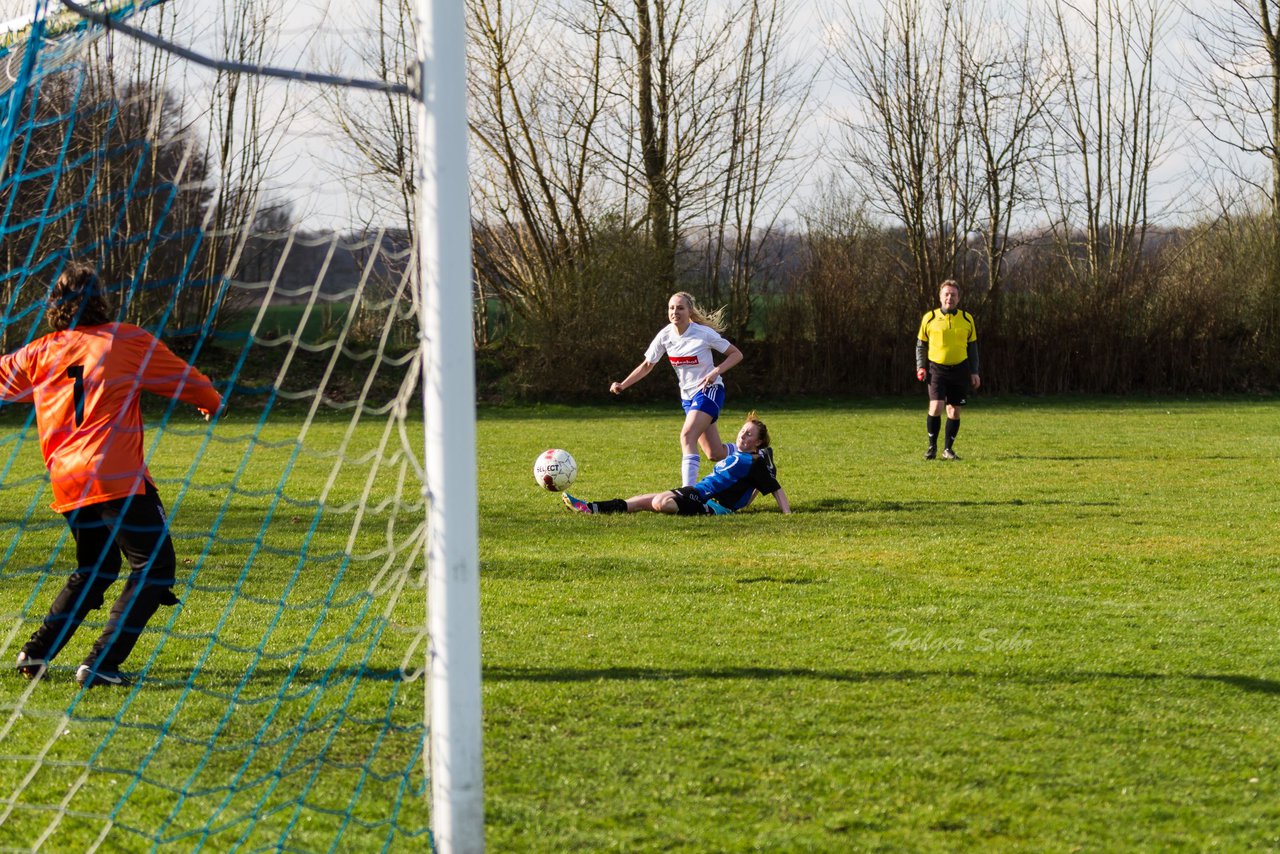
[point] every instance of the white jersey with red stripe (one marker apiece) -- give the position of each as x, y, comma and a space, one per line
690, 354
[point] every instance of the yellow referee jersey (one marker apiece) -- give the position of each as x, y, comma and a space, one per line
948, 335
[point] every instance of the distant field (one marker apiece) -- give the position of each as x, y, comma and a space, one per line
285, 318
1067, 641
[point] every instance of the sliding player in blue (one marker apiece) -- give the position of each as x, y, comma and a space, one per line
731, 486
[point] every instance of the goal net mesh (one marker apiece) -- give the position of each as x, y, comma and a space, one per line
281, 705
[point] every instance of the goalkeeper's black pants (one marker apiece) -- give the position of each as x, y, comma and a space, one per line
136, 528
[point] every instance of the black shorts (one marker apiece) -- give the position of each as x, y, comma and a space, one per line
135, 527
949, 383
689, 502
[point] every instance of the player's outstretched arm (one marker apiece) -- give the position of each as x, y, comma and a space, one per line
161, 372
15, 379
780, 496
640, 372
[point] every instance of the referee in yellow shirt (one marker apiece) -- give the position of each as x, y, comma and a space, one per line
947, 355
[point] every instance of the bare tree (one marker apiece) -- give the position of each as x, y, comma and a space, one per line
1109, 134
103, 169
1011, 81
1237, 92
677, 63
907, 143
653, 100
534, 126
235, 123
378, 128
768, 106
655, 119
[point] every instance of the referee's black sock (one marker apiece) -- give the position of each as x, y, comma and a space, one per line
613, 505
953, 427
933, 423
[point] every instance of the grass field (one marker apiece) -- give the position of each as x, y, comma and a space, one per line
1066, 642
278, 711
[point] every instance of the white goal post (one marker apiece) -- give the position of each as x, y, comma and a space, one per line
273, 644
453, 592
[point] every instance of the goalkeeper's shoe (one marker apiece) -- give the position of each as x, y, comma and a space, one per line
576, 504
715, 508
30, 667
87, 677
948, 454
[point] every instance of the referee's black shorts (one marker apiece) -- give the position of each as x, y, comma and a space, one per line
949, 383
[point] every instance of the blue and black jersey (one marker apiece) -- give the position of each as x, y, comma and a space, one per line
735, 480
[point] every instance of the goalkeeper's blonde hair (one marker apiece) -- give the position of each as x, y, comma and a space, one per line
714, 319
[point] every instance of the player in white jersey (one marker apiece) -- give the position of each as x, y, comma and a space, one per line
687, 342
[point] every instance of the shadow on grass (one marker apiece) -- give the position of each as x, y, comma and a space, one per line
859, 505
1069, 458
217, 679
168, 677
1244, 683
661, 674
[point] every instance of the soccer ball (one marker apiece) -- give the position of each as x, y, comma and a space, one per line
554, 470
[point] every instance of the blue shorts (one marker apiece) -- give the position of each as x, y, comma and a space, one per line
708, 400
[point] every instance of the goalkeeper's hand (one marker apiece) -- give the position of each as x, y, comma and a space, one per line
920, 374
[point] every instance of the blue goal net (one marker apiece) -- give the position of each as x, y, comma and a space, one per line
280, 704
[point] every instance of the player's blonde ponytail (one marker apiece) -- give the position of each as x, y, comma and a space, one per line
713, 319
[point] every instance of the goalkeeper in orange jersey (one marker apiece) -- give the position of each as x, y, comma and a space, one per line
86, 379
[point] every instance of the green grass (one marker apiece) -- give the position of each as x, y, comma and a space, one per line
1067, 641
275, 709
278, 321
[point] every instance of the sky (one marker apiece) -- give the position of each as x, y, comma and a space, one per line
311, 161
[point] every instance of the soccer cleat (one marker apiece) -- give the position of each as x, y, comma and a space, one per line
715, 508
931, 454
949, 454
87, 677
31, 668
576, 504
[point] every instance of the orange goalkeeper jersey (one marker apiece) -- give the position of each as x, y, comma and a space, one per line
86, 384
